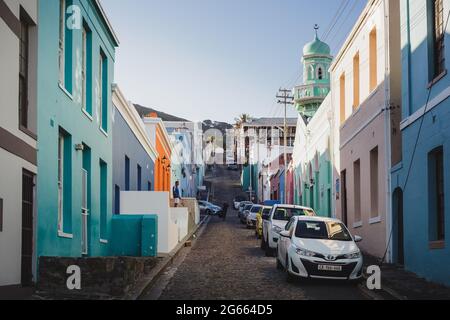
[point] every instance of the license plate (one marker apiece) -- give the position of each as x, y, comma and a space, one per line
330, 268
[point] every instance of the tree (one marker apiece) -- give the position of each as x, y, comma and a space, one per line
243, 118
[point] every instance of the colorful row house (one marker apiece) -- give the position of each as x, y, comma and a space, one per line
421, 180
159, 137
18, 140
134, 155
366, 99
76, 52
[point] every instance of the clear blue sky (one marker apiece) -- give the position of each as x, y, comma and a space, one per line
215, 59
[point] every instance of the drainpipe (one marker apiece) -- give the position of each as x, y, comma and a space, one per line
387, 134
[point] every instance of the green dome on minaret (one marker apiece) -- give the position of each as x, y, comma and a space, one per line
316, 61
316, 47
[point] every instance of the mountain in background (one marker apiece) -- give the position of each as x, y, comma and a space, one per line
206, 125
144, 111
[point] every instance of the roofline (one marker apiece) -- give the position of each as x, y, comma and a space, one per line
108, 23
129, 113
168, 145
362, 18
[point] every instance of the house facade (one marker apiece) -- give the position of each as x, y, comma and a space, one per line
77, 51
313, 163
133, 154
157, 133
366, 140
420, 182
18, 136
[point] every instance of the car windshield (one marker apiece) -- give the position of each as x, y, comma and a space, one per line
266, 211
255, 209
285, 214
322, 230
248, 207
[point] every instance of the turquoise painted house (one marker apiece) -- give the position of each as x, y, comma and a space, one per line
76, 53
421, 182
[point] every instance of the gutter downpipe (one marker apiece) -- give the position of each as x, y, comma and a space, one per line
388, 153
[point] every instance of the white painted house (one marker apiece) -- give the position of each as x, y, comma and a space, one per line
18, 57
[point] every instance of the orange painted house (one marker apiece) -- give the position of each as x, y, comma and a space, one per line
159, 137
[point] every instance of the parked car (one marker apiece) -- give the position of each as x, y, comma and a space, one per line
243, 215
251, 216
264, 213
237, 201
315, 247
275, 223
209, 208
242, 206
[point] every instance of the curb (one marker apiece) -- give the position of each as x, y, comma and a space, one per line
148, 280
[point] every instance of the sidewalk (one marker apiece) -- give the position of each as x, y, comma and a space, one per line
16, 293
405, 285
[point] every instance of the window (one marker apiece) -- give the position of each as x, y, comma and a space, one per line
103, 199
117, 199
61, 47
86, 70
23, 73
342, 98
357, 191
320, 73
103, 91
356, 81
437, 36
374, 182
65, 48
139, 178
373, 60
64, 183
127, 173
436, 195
149, 186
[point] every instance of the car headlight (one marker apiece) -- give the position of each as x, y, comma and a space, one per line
354, 255
305, 253
276, 229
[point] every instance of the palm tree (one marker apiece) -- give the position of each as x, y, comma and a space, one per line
243, 118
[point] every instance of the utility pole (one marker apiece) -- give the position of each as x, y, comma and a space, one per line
285, 98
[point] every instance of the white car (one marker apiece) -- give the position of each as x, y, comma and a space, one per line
251, 216
315, 247
275, 223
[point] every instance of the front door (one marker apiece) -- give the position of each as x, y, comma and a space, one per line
344, 197
84, 213
27, 228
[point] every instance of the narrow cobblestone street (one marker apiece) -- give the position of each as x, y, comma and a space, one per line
226, 262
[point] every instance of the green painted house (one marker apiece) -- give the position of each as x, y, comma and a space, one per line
76, 53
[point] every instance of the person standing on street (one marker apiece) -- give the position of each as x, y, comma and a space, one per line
224, 211
176, 194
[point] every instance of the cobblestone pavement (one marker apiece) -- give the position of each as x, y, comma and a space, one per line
226, 262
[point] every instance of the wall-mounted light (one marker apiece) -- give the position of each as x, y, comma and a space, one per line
79, 147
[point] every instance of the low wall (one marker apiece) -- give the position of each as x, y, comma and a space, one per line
194, 211
181, 218
101, 278
153, 203
134, 235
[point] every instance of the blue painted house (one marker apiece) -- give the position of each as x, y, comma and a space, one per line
133, 153
421, 183
76, 53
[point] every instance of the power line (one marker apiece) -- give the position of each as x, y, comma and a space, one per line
336, 17
355, 4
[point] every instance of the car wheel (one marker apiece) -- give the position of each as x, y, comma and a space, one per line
289, 277
208, 212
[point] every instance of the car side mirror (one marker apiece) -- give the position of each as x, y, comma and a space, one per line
358, 239
285, 234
